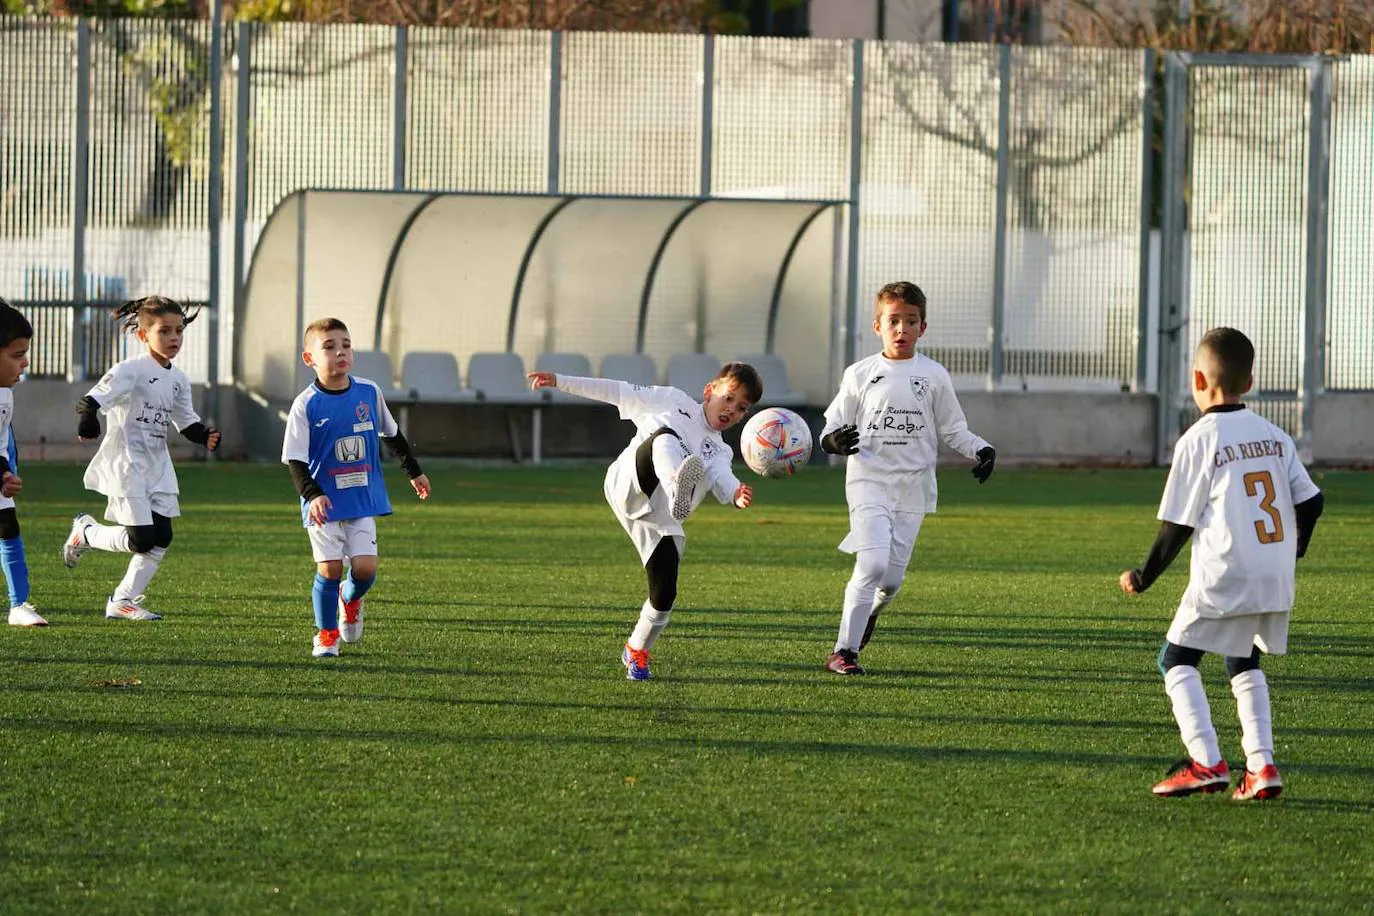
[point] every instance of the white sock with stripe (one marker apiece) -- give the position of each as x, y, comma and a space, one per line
1183, 684
114, 538
650, 627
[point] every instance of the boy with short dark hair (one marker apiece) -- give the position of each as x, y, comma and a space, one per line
1237, 490
15, 335
889, 416
658, 479
333, 448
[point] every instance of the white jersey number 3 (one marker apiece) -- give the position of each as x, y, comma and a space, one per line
1254, 483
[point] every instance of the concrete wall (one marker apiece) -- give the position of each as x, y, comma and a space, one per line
1344, 424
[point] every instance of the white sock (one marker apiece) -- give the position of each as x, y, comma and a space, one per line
1183, 684
1251, 690
883, 597
140, 573
114, 538
859, 596
649, 628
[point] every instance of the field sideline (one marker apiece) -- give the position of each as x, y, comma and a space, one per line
482, 752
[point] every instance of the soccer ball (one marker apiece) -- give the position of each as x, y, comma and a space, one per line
776, 442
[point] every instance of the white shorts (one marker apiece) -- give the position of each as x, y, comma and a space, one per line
875, 525
1234, 636
356, 537
138, 510
646, 521
6, 502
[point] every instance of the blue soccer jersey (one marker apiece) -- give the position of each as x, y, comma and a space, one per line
337, 435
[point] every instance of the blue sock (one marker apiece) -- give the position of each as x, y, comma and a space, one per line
354, 588
16, 569
326, 599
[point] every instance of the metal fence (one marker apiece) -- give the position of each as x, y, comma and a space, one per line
1044, 198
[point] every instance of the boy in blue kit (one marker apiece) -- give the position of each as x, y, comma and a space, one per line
15, 334
333, 448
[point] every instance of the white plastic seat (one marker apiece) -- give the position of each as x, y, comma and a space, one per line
432, 377
692, 372
499, 378
635, 368
773, 371
375, 365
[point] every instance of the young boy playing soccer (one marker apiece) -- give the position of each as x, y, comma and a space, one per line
892, 411
1237, 490
15, 334
656, 482
333, 437
143, 396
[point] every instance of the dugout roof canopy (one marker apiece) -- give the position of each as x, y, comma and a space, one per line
468, 273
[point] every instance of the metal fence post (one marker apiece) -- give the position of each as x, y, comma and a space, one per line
708, 110
555, 110
81, 153
1318, 189
1173, 304
215, 202
243, 83
398, 109
856, 147
1143, 346
997, 328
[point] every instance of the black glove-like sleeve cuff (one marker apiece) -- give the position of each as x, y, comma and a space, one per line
198, 433
88, 424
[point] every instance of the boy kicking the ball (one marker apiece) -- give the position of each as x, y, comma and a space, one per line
892, 411
1236, 490
676, 456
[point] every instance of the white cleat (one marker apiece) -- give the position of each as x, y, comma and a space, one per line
689, 476
26, 615
76, 543
351, 620
326, 644
129, 609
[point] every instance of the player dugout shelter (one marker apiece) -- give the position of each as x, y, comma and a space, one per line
532, 274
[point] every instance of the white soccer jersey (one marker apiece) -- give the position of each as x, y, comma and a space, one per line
1235, 478
903, 410
651, 409
140, 398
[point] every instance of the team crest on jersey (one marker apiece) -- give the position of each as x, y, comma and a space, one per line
708, 449
362, 412
920, 386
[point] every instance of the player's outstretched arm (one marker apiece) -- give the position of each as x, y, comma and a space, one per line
539, 380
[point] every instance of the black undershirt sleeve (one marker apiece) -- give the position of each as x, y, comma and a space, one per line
4, 465
1307, 513
1168, 543
401, 449
305, 484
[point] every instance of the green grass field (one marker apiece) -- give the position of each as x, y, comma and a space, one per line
481, 750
